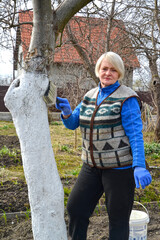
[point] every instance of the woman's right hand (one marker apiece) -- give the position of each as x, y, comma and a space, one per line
63, 105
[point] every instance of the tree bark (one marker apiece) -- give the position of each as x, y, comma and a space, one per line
156, 88
42, 45
65, 11
156, 91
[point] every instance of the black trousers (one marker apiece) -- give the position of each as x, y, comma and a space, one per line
91, 183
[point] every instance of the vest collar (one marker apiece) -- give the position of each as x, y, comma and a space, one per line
108, 89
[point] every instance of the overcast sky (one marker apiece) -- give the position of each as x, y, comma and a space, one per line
6, 66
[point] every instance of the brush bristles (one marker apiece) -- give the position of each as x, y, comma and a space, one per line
50, 94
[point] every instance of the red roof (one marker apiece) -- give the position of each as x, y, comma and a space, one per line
91, 35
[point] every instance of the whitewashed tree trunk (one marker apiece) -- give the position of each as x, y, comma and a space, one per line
46, 197
24, 100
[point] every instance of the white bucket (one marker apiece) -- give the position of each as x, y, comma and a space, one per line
138, 224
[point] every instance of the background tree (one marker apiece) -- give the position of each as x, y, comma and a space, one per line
143, 28
102, 19
141, 20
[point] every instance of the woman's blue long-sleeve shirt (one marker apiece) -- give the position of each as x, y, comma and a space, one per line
131, 122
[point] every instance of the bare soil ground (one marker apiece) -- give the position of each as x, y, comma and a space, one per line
14, 198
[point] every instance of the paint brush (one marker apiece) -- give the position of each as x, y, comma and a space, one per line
50, 94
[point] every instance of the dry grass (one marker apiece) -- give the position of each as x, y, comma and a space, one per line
63, 142
68, 158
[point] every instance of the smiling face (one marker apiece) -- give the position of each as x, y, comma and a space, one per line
108, 75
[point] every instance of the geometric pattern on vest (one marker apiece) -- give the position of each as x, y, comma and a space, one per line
107, 147
94, 148
122, 144
110, 145
98, 133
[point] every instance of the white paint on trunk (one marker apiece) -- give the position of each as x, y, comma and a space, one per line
24, 99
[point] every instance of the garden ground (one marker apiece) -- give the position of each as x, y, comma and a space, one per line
14, 196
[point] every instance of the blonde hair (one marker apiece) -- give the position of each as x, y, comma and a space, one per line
115, 60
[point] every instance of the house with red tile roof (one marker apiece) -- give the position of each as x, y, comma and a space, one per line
91, 35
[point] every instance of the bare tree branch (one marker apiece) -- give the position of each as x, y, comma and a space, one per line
65, 11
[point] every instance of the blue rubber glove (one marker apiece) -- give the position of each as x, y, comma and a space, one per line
63, 105
142, 176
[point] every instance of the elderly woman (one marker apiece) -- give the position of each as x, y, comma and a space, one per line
112, 150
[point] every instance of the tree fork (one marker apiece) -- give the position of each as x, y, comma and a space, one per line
41, 50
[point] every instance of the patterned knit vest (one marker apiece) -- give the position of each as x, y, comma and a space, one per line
104, 142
